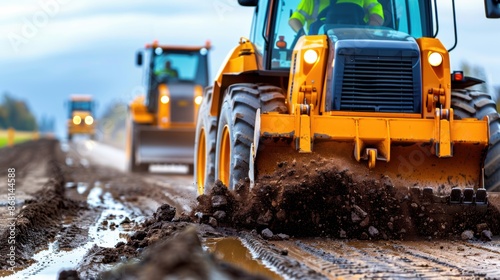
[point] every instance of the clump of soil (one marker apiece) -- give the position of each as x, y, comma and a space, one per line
321, 198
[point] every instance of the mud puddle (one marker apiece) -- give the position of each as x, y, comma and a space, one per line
109, 224
233, 251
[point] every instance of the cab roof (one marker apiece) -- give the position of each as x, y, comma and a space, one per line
80, 97
155, 44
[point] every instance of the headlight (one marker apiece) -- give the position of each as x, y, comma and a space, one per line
77, 120
310, 56
89, 120
435, 59
164, 99
198, 100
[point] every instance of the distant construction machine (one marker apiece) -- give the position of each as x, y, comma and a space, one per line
161, 126
81, 116
378, 95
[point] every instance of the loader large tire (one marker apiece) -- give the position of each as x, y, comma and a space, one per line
476, 104
204, 147
235, 130
132, 165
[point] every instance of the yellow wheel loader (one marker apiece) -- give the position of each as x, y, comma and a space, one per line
161, 126
379, 97
81, 116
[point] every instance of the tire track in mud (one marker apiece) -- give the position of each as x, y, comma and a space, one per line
392, 259
24, 157
65, 217
39, 218
278, 259
32, 171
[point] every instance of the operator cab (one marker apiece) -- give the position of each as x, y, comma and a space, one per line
177, 67
275, 39
272, 30
85, 105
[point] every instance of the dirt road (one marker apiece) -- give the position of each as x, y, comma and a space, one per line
78, 214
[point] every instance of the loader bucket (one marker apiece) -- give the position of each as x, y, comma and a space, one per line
411, 165
167, 146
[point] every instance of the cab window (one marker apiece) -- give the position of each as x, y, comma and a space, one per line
410, 17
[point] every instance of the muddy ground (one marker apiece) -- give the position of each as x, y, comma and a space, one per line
328, 224
318, 198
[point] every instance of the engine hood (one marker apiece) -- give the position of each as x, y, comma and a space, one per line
182, 90
373, 62
379, 34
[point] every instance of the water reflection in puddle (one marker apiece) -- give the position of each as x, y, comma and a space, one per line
232, 250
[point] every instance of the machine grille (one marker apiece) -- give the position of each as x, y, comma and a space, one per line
182, 109
378, 84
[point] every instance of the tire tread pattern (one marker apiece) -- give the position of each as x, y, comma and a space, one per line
244, 100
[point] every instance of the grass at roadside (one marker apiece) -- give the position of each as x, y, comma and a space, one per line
19, 136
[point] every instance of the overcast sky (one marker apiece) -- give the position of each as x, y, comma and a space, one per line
52, 48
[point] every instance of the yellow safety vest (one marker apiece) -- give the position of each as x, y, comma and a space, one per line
169, 72
308, 10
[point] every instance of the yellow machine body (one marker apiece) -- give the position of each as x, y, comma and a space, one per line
162, 121
427, 149
431, 148
379, 100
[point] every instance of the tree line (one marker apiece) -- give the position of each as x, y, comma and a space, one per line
16, 114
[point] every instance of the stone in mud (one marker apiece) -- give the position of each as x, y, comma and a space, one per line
486, 235
281, 215
138, 235
360, 212
283, 236
355, 218
390, 225
364, 236
125, 221
219, 201
267, 234
467, 235
481, 227
365, 222
220, 215
165, 213
373, 231
213, 222
219, 188
265, 218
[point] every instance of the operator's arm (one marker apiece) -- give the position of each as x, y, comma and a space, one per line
298, 19
295, 24
375, 12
